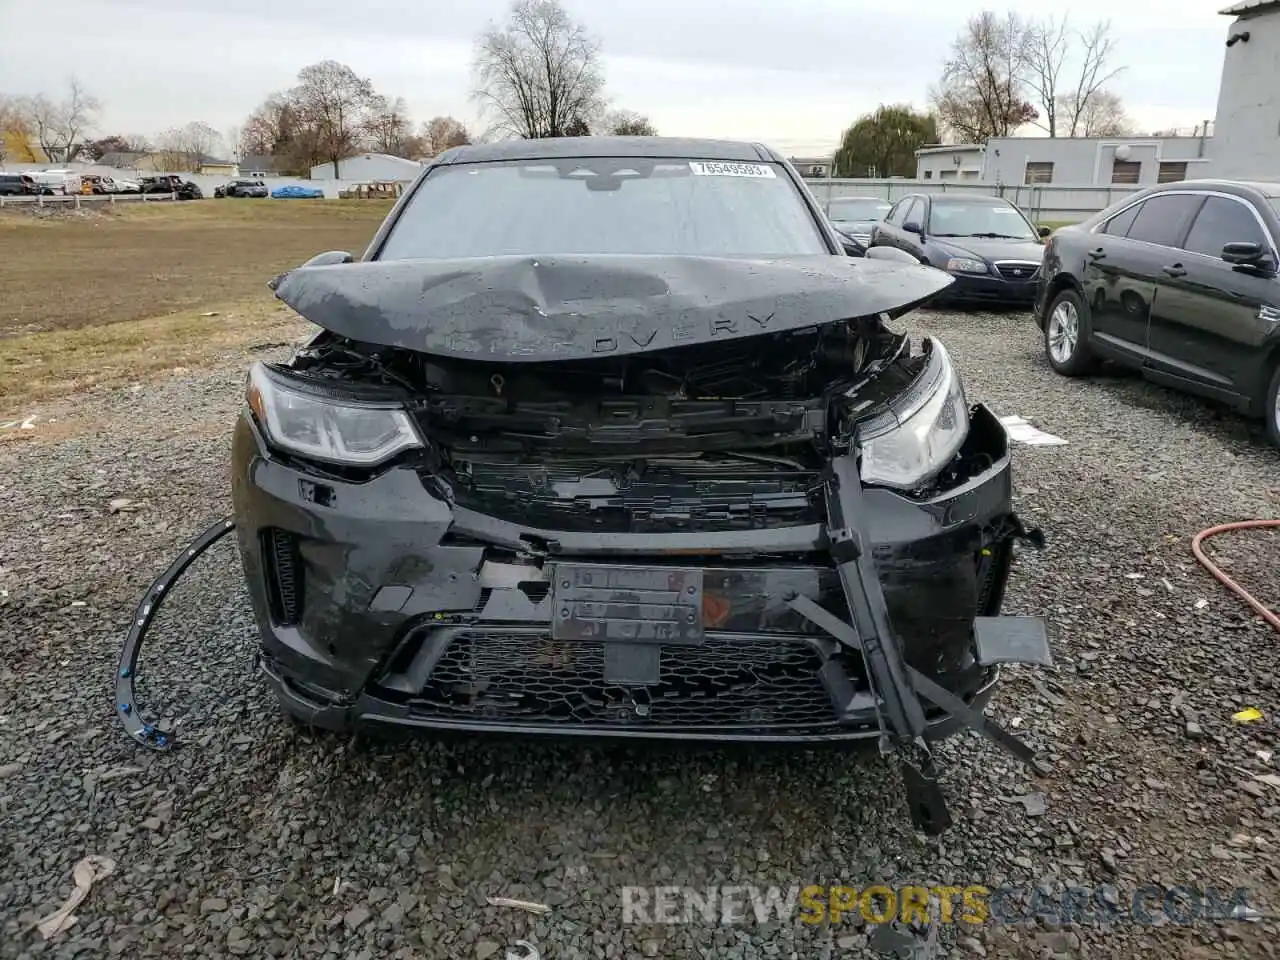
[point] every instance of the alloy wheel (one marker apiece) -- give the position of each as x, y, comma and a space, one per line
1064, 331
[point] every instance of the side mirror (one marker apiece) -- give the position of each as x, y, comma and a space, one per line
1243, 254
330, 259
895, 254
912, 227
851, 248
1044, 232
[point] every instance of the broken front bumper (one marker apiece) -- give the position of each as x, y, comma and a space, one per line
378, 602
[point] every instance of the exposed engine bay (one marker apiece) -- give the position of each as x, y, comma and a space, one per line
716, 436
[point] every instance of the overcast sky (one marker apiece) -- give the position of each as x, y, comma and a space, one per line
789, 74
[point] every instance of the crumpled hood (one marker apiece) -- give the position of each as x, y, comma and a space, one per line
524, 308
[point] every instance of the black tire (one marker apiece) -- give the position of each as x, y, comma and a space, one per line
1066, 334
1271, 407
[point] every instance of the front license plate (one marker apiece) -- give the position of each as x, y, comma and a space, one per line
617, 604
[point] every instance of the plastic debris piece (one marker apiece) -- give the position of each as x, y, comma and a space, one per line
1264, 755
86, 873
1021, 431
1247, 715
1201, 603
527, 905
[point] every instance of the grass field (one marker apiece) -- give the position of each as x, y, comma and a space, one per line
106, 297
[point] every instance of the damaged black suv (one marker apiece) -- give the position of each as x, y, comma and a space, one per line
605, 436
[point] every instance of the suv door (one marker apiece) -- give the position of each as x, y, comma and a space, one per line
1122, 265
1207, 323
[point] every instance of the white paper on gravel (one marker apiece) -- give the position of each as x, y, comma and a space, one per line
1020, 431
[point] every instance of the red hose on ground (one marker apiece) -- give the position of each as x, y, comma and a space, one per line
1225, 580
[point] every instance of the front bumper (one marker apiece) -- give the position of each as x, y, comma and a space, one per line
975, 289
379, 603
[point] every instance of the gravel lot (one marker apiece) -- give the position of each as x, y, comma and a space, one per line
260, 840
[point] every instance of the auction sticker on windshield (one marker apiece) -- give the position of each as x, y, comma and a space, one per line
716, 168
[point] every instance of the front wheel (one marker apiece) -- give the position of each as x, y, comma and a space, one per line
1271, 409
1064, 335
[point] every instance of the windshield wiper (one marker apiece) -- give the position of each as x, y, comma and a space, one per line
999, 236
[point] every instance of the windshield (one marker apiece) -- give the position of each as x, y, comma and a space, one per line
978, 219
624, 205
861, 208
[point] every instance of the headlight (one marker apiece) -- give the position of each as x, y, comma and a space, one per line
966, 265
323, 427
923, 431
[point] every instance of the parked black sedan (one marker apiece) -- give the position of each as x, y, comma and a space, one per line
986, 243
853, 217
1180, 282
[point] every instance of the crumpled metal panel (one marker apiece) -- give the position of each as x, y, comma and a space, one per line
522, 308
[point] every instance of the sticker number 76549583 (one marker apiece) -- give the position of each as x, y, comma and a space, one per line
718, 168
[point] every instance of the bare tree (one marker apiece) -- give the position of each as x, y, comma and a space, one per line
628, 123
982, 92
188, 147
60, 126
334, 103
441, 133
388, 126
540, 74
117, 143
1066, 70
1047, 48
1102, 115
1097, 50
13, 124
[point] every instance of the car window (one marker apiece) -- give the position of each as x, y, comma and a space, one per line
914, 212
859, 208
1118, 226
1222, 221
895, 215
1163, 218
626, 205
978, 217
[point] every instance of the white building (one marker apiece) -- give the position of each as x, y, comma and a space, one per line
369, 167
960, 162
1246, 134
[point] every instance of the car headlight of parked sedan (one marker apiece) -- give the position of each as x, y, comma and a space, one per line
966, 265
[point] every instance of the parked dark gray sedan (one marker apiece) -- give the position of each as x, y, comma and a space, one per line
986, 243
1179, 282
853, 217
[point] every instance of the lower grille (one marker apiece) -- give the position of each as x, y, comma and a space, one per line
283, 574
523, 676
1018, 269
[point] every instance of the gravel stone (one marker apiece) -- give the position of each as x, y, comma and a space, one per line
264, 816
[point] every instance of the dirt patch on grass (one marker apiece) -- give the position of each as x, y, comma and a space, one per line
128, 263
45, 366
